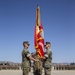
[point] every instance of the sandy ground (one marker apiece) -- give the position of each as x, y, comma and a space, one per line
19, 72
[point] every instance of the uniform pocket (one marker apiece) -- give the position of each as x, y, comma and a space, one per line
47, 65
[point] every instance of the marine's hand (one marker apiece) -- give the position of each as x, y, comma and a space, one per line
43, 57
37, 60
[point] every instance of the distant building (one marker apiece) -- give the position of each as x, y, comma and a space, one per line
17, 66
9, 65
63, 66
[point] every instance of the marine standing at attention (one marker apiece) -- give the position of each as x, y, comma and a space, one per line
37, 66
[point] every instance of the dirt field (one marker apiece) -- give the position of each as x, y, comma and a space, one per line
19, 72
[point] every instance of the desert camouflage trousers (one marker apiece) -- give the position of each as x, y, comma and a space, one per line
26, 71
37, 71
47, 71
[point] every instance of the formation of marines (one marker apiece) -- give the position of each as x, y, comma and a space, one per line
38, 63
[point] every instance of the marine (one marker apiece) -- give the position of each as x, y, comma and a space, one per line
37, 66
47, 59
26, 58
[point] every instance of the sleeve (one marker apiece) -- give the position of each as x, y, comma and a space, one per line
51, 55
46, 55
28, 54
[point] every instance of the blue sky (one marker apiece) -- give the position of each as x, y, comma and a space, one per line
17, 22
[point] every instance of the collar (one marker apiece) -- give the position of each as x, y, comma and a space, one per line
48, 50
25, 49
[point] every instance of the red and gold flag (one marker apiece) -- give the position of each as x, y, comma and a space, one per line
39, 34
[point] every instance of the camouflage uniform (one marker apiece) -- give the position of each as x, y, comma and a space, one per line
37, 66
47, 62
25, 62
